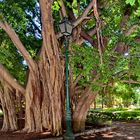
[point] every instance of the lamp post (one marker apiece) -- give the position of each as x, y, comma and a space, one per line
66, 30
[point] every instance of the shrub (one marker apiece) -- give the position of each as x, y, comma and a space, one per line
121, 114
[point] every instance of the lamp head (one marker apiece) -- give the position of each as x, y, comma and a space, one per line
65, 27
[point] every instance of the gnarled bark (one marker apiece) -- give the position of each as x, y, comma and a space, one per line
80, 113
8, 106
33, 119
43, 91
6, 76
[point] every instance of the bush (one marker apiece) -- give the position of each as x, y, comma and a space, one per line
120, 114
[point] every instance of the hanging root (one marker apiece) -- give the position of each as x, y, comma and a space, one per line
99, 35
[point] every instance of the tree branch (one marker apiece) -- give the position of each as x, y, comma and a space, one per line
131, 30
92, 31
2, 26
83, 16
76, 80
130, 81
63, 9
48, 29
84, 35
87, 36
15, 39
5, 75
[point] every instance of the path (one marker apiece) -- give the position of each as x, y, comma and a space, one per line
125, 131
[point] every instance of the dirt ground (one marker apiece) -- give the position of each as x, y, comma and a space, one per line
125, 131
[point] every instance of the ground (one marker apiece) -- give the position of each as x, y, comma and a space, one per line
124, 131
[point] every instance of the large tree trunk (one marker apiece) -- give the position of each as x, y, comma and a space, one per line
9, 88
33, 119
79, 116
8, 107
43, 96
52, 86
43, 91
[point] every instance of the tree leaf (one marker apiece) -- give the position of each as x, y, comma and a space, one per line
131, 2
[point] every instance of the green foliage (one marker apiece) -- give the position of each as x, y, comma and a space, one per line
75, 9
55, 6
24, 16
12, 60
21, 16
131, 2
121, 114
84, 59
14, 14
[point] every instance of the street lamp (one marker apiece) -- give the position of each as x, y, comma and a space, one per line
66, 30
65, 27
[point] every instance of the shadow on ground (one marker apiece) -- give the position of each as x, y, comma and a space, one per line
124, 131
